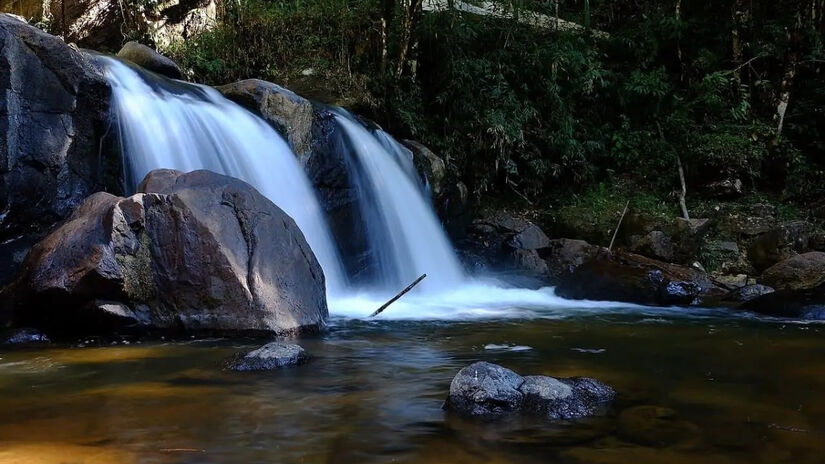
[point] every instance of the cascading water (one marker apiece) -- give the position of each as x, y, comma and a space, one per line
172, 124
404, 233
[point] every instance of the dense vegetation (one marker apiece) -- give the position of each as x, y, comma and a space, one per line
536, 110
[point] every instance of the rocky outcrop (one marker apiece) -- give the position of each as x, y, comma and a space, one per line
196, 251
288, 113
272, 356
785, 241
149, 59
489, 391
563, 256
54, 116
801, 272
623, 276
431, 168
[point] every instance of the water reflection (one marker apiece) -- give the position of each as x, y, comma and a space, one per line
689, 391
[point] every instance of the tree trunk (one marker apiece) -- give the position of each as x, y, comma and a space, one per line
411, 12
388, 9
740, 15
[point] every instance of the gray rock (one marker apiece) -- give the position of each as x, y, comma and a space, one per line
287, 112
531, 238
563, 256
748, 293
149, 59
53, 113
489, 391
430, 166
656, 245
565, 399
485, 390
275, 355
205, 252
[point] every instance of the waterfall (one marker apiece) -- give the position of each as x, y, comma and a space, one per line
404, 233
164, 123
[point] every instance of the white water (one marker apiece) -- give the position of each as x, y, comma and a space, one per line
172, 124
403, 229
176, 125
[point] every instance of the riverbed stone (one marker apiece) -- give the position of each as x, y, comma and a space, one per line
488, 391
274, 355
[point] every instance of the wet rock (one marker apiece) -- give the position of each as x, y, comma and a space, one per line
801, 272
490, 241
288, 113
656, 245
565, 399
808, 304
633, 278
430, 166
149, 59
205, 252
54, 102
275, 355
748, 293
23, 336
485, 390
784, 241
489, 391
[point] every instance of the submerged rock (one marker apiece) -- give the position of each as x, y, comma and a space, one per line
149, 59
54, 105
196, 251
489, 391
747, 293
271, 356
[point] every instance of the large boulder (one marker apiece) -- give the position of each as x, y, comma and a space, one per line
196, 251
632, 278
149, 59
489, 391
563, 256
784, 241
287, 112
54, 114
801, 272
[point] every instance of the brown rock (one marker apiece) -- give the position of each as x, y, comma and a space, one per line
207, 253
149, 59
801, 272
784, 241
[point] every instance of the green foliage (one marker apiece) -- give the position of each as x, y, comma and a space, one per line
512, 106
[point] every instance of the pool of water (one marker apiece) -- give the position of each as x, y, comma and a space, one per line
704, 390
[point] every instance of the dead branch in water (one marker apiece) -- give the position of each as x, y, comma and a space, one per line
399, 295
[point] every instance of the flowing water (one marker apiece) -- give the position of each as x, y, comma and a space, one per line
171, 124
690, 390
694, 385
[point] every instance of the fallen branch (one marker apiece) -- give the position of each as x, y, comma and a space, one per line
615, 232
399, 295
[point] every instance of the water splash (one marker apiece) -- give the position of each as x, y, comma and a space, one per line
164, 123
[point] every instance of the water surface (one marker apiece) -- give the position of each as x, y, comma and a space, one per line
703, 390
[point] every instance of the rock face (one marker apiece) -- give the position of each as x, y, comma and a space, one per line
275, 355
54, 114
633, 278
196, 251
784, 241
489, 391
801, 272
148, 58
291, 115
